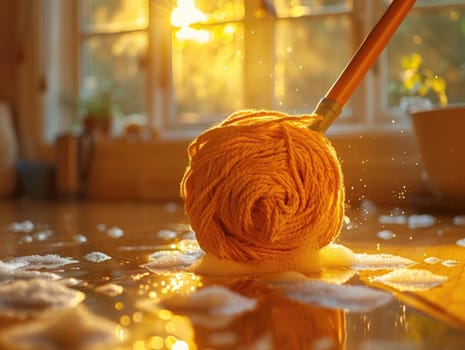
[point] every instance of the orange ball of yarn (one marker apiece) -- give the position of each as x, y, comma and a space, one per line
262, 184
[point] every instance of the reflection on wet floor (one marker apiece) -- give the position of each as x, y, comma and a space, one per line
78, 275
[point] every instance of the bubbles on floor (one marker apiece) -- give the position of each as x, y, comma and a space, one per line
80, 239
386, 235
97, 257
459, 220
211, 300
351, 298
434, 260
22, 299
110, 289
421, 221
76, 326
411, 280
170, 260
35, 262
364, 261
166, 234
392, 219
115, 232
22, 226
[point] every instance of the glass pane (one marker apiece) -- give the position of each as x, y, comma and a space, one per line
208, 71
304, 72
427, 57
113, 15
298, 8
115, 62
188, 12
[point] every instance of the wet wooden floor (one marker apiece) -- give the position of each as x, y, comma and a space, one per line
429, 319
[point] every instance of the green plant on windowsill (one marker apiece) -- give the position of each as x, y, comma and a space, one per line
97, 110
420, 82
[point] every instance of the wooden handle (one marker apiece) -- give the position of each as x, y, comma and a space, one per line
361, 62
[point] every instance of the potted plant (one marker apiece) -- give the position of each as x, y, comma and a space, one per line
419, 85
97, 110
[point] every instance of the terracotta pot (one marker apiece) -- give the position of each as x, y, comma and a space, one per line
439, 135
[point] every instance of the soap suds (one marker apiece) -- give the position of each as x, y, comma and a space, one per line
21, 299
380, 261
352, 298
212, 300
97, 257
386, 235
110, 289
76, 328
392, 219
35, 262
460, 242
166, 234
421, 221
22, 226
412, 280
115, 232
459, 220
172, 260
432, 260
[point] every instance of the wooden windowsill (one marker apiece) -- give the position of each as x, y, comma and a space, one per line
382, 167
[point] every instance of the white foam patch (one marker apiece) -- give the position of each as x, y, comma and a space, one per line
35, 262
97, 257
21, 299
61, 329
43, 235
460, 242
412, 280
80, 238
166, 234
432, 260
216, 300
110, 289
459, 220
172, 260
22, 226
386, 235
8, 274
421, 221
392, 219
316, 292
450, 263
380, 261
115, 232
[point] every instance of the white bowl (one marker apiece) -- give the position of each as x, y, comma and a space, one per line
440, 139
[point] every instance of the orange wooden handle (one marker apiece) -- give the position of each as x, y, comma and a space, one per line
364, 58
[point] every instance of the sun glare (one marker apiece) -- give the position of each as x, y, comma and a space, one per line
183, 16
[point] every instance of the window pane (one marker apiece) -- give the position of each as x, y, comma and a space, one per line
208, 71
115, 62
298, 8
427, 55
113, 15
309, 57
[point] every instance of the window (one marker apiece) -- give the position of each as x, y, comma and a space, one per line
181, 65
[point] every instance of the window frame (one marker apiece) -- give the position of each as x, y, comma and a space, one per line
136, 170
